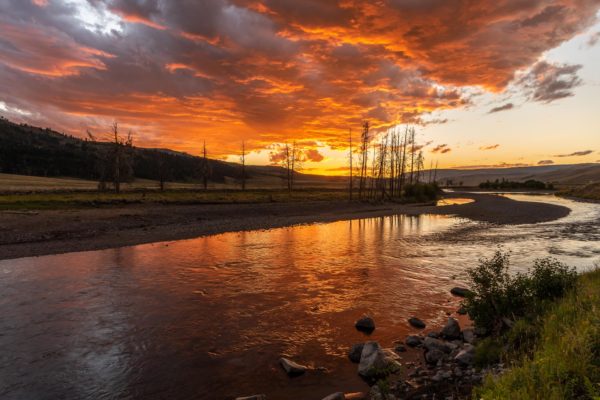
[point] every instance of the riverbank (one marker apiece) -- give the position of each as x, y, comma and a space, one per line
587, 193
33, 232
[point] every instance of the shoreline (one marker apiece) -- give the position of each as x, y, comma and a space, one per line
45, 232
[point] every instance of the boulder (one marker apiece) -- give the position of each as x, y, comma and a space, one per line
462, 311
466, 356
451, 330
434, 335
416, 322
355, 352
254, 397
335, 396
460, 291
365, 324
400, 349
376, 362
436, 344
434, 355
413, 340
468, 335
292, 368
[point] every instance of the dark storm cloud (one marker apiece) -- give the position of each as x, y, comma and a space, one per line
549, 82
576, 153
504, 107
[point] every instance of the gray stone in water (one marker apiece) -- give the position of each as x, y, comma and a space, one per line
416, 322
468, 335
434, 356
460, 291
466, 356
254, 397
292, 368
434, 335
436, 344
365, 324
400, 349
413, 341
335, 396
451, 330
355, 352
376, 362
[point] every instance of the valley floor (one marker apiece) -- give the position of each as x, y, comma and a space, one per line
30, 232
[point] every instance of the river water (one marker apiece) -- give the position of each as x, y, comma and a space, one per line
208, 318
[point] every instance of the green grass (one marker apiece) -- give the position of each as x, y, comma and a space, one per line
78, 199
564, 363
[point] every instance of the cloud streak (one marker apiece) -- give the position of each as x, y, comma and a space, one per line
490, 147
576, 153
504, 107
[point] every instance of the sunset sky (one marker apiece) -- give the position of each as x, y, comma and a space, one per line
508, 82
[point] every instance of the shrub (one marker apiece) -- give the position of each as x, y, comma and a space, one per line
421, 192
498, 298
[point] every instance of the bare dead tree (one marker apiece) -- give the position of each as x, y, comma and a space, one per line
164, 172
243, 162
205, 170
412, 154
115, 164
364, 155
350, 160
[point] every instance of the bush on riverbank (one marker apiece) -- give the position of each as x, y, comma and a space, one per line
498, 298
561, 354
420, 192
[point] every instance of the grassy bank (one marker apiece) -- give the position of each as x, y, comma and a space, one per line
589, 192
67, 200
557, 355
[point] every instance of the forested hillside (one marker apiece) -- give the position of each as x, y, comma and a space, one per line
29, 150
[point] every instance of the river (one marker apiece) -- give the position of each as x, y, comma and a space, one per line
208, 318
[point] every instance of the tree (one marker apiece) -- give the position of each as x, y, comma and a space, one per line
364, 155
164, 171
350, 160
243, 162
114, 163
205, 169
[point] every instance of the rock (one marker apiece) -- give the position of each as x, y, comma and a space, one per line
292, 368
460, 291
376, 362
466, 356
462, 311
355, 352
416, 322
436, 344
365, 324
413, 340
434, 335
468, 335
254, 397
451, 330
434, 356
335, 396
400, 349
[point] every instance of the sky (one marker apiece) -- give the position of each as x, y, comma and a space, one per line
485, 84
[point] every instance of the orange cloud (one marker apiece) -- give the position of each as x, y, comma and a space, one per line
271, 71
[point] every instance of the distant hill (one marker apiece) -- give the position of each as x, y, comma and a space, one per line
28, 150
569, 174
